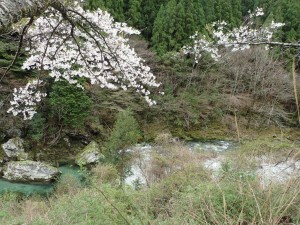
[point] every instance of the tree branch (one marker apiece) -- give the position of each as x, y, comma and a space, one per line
272, 43
19, 48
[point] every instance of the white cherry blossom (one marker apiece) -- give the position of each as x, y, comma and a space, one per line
236, 39
79, 43
25, 100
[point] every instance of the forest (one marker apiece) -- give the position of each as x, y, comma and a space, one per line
156, 112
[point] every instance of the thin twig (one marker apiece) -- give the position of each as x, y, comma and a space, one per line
285, 158
113, 205
295, 89
237, 128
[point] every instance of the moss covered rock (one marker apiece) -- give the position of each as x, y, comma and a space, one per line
89, 155
13, 147
30, 171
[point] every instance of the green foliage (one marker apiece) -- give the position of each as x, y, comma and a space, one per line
91, 207
134, 13
149, 12
174, 23
68, 184
8, 49
189, 194
159, 37
169, 23
126, 132
114, 7
70, 105
103, 174
36, 127
281, 11
94, 4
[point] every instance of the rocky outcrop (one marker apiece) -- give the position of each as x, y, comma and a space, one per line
89, 155
13, 147
30, 171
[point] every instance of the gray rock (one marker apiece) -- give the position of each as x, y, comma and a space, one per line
13, 147
13, 132
89, 155
30, 171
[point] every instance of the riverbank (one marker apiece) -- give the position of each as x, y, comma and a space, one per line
182, 187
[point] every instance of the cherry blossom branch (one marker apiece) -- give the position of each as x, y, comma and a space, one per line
236, 39
96, 29
69, 42
270, 43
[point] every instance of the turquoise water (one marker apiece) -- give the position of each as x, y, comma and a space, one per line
42, 189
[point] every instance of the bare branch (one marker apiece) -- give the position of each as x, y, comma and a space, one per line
271, 43
19, 48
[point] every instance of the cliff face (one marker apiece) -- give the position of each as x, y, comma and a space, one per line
12, 11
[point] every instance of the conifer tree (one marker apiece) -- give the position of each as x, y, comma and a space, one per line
199, 15
179, 25
94, 4
134, 13
116, 8
226, 12
218, 9
159, 37
170, 18
150, 11
236, 12
190, 19
209, 9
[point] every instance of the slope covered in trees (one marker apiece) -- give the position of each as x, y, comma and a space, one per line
189, 94
169, 23
210, 90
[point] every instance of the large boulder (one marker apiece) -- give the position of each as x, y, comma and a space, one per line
89, 155
30, 171
13, 147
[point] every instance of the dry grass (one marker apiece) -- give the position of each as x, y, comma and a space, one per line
68, 184
105, 174
167, 157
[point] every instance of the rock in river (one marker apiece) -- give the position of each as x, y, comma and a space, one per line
89, 155
30, 171
13, 147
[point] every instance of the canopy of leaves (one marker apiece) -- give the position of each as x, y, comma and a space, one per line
70, 104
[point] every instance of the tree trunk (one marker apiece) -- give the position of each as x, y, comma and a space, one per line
12, 11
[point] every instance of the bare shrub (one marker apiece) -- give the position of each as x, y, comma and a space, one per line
33, 208
258, 85
105, 174
168, 156
68, 184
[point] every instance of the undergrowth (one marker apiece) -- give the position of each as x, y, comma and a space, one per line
185, 194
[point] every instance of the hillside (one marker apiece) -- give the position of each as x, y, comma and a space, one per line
201, 117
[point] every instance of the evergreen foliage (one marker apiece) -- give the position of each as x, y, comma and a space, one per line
36, 127
134, 13
169, 23
70, 105
126, 132
8, 48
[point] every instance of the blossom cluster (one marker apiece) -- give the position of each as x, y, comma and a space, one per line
26, 99
79, 43
199, 46
239, 38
